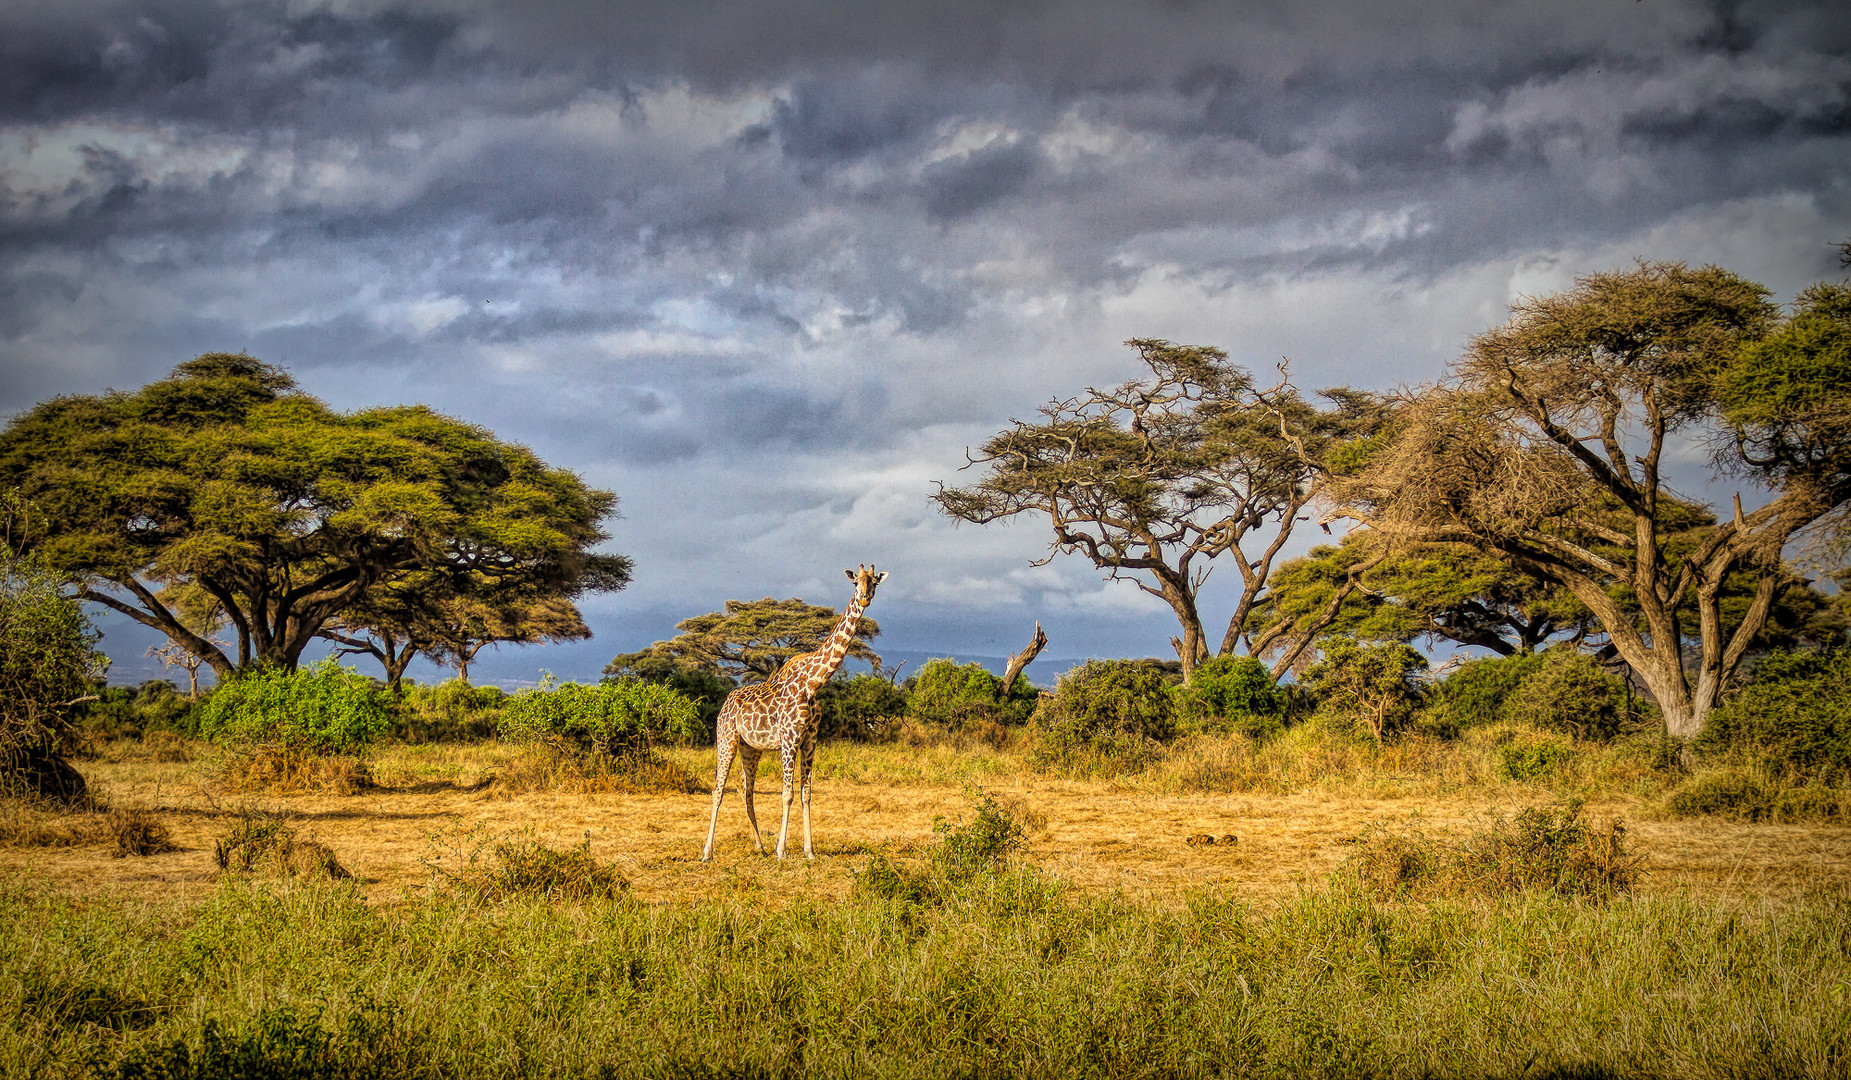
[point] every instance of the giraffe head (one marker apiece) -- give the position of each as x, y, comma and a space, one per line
865, 580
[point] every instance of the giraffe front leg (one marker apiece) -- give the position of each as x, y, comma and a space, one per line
809, 760
724, 744
788, 756
748, 761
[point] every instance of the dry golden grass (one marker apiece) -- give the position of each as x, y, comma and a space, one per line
1127, 836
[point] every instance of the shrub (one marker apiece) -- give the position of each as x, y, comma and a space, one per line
958, 695
48, 659
624, 718
1106, 717
1569, 691
1375, 685
1729, 793
1547, 849
1232, 694
1475, 692
857, 707
322, 709
449, 711
122, 712
1795, 713
706, 687
138, 832
994, 835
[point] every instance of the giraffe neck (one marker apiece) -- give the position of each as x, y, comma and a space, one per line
827, 659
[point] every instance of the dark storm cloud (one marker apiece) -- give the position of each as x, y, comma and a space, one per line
808, 251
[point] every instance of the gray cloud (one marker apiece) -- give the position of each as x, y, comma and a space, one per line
770, 267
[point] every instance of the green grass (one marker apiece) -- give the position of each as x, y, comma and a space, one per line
1004, 978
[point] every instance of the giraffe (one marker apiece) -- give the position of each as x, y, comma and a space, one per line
780, 714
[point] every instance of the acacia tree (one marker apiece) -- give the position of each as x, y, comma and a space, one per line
225, 479
750, 640
1547, 446
1462, 596
1153, 480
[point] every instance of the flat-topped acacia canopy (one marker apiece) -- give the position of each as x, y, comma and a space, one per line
226, 478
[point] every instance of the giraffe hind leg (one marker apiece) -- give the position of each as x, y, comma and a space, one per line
748, 761
809, 760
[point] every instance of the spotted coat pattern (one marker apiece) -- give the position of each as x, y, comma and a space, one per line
780, 714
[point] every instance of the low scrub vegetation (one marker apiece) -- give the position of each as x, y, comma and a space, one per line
1545, 849
321, 709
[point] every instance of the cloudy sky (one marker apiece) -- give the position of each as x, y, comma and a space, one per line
766, 269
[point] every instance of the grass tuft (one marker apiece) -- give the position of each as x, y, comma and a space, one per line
138, 832
499, 869
290, 770
260, 842
553, 766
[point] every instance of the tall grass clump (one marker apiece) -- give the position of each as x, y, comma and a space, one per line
1105, 718
1232, 695
1546, 848
598, 737
962, 855
498, 869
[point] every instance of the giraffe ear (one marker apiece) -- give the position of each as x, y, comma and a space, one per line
880, 577
849, 574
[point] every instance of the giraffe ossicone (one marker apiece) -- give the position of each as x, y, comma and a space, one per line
780, 714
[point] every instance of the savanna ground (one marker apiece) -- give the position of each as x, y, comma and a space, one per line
1111, 946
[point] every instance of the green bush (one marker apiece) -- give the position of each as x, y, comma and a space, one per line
993, 835
622, 718
1475, 692
48, 658
124, 712
1106, 717
323, 709
449, 711
958, 696
856, 707
706, 687
1232, 694
1569, 691
1375, 685
1795, 713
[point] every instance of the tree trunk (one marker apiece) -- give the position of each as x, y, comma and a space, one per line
1021, 660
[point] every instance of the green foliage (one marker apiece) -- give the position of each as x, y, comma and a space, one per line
1794, 713
749, 640
225, 477
702, 684
48, 657
622, 718
1571, 692
957, 696
1106, 717
1474, 693
1728, 793
449, 711
1232, 694
322, 709
1374, 685
125, 712
1531, 759
857, 706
